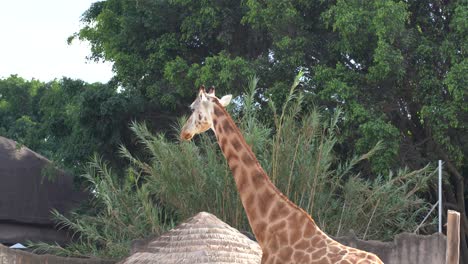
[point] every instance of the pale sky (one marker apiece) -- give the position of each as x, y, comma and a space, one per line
33, 41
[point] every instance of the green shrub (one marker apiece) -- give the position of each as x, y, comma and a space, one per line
189, 177
121, 211
299, 156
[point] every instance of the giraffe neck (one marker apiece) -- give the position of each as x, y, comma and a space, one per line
285, 232
266, 207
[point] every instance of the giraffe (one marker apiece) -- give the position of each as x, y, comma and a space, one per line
284, 231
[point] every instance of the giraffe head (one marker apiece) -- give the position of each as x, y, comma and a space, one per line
202, 112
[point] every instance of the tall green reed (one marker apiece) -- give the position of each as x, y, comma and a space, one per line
180, 179
121, 210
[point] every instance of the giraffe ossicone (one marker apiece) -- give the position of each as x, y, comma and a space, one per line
285, 232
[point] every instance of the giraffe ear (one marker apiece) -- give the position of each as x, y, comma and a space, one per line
225, 100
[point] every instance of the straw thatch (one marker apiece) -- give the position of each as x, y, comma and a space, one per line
201, 239
27, 195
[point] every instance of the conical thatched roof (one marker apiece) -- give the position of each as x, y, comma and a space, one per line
201, 239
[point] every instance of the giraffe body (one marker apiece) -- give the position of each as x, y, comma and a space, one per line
285, 232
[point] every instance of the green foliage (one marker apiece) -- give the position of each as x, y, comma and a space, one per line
123, 210
300, 158
305, 166
396, 70
66, 120
374, 131
157, 46
185, 178
18, 116
396, 63
456, 83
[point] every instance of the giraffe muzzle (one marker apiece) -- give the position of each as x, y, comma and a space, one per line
186, 136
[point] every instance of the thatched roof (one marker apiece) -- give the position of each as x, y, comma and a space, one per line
201, 239
26, 196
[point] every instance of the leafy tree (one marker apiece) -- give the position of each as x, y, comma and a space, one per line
18, 116
67, 120
308, 172
399, 76
396, 68
160, 47
82, 119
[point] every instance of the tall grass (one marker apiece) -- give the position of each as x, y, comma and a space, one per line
188, 177
122, 210
299, 156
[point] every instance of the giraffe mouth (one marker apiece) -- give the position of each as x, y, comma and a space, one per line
186, 136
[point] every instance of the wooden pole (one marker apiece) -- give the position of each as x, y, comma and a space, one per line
453, 238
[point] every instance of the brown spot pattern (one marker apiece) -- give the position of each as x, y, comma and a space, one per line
302, 244
236, 144
315, 241
247, 160
265, 257
298, 255
219, 129
234, 169
258, 180
274, 244
250, 199
265, 199
295, 234
320, 244
361, 254
282, 209
306, 259
285, 253
251, 211
241, 180
334, 249
261, 226
278, 226
222, 144
342, 252
319, 253
279, 211
231, 156
218, 112
309, 230
227, 127
273, 215
335, 258
283, 236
